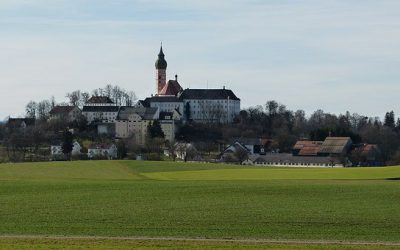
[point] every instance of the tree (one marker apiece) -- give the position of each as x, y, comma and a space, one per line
172, 148
398, 124
74, 98
67, 144
117, 94
121, 149
300, 123
130, 98
108, 90
53, 102
31, 109
389, 119
191, 153
155, 147
154, 130
43, 110
395, 160
241, 154
2, 132
17, 144
243, 117
85, 96
271, 107
388, 142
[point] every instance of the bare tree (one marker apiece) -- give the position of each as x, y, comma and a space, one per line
31, 109
84, 97
108, 90
130, 98
53, 102
43, 109
74, 98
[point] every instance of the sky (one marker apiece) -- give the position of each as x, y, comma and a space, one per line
338, 56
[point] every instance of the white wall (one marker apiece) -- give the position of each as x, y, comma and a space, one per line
222, 110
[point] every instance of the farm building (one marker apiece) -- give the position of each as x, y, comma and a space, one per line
366, 155
288, 160
337, 146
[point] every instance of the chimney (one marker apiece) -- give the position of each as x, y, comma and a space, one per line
223, 87
176, 77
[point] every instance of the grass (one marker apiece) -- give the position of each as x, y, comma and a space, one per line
99, 244
131, 198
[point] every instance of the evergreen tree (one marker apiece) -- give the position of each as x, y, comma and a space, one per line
398, 124
154, 130
121, 148
389, 119
67, 144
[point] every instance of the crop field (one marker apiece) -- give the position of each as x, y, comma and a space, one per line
197, 201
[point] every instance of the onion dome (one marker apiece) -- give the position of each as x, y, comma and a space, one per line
161, 63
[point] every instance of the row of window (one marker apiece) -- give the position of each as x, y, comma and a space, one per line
294, 164
130, 121
208, 101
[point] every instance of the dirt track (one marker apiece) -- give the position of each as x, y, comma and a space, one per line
281, 241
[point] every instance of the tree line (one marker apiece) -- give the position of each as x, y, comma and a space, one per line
41, 109
275, 121
272, 120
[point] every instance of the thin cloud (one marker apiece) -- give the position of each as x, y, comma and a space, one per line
301, 53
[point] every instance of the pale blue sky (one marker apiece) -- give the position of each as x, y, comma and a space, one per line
308, 54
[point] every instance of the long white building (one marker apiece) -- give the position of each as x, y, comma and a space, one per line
210, 105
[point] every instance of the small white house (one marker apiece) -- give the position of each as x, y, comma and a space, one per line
57, 152
108, 151
57, 149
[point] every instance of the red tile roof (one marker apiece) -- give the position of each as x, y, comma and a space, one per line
301, 144
172, 87
307, 148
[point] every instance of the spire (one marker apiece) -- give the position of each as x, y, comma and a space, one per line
161, 63
161, 51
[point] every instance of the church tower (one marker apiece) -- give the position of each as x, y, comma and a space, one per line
161, 71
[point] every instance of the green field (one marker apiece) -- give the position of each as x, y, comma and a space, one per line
106, 244
167, 199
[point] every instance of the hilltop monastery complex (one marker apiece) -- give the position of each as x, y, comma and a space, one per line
171, 105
